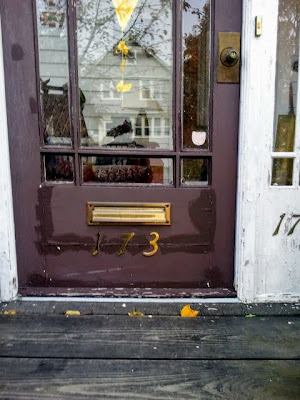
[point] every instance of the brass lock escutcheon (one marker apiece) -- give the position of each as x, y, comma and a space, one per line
229, 57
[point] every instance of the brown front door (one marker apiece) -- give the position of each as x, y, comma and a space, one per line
123, 146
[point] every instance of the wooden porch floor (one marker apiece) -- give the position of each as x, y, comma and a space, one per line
229, 351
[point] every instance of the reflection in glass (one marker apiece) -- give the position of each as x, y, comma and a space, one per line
127, 170
287, 75
54, 71
59, 168
196, 67
194, 171
125, 72
282, 173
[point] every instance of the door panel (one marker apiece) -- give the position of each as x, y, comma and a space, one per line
51, 188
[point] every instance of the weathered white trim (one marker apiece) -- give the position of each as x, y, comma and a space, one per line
266, 266
8, 262
131, 300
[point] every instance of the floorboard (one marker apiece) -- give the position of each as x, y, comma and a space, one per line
36, 379
124, 337
225, 353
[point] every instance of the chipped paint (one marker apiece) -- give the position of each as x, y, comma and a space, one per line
267, 266
8, 263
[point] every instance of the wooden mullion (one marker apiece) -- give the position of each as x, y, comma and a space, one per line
124, 152
195, 153
74, 89
177, 85
37, 69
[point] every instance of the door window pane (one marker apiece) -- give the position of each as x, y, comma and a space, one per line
54, 71
125, 72
287, 75
59, 168
282, 174
196, 73
127, 170
194, 171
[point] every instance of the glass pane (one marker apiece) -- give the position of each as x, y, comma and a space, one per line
196, 73
287, 74
194, 171
128, 170
54, 71
282, 174
125, 72
59, 167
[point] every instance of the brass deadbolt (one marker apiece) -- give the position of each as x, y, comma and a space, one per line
229, 57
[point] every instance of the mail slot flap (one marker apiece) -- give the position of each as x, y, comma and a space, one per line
128, 213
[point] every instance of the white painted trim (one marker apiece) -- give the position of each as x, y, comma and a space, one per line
132, 300
257, 79
297, 135
8, 260
245, 260
266, 266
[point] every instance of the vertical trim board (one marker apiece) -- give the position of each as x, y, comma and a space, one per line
266, 265
8, 261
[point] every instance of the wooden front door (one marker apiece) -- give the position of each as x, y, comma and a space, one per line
123, 144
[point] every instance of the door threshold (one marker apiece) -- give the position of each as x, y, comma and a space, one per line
132, 292
223, 300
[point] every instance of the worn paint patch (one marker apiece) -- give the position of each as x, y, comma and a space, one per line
47, 242
33, 105
17, 53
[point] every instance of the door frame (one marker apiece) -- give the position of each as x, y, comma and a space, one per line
254, 126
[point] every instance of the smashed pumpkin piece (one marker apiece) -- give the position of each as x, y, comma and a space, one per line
123, 87
122, 48
72, 312
123, 65
9, 312
187, 312
136, 314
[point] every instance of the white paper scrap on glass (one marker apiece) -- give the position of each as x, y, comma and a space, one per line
198, 138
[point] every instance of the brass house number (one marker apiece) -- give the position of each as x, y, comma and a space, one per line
127, 238
129, 214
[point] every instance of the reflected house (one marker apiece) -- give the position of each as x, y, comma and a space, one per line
141, 120
147, 105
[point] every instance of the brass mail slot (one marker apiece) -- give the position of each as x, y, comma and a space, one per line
128, 213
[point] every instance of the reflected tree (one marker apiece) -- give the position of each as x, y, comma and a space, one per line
196, 63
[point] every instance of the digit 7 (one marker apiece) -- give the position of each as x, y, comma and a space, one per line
127, 237
296, 223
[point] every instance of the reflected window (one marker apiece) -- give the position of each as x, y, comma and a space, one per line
196, 73
111, 63
59, 168
287, 88
287, 75
54, 71
127, 170
125, 70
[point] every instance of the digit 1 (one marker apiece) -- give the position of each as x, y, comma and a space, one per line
127, 237
97, 249
279, 225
